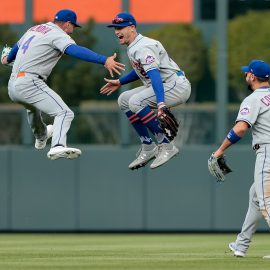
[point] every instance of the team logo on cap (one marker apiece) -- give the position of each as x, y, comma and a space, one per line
117, 20
245, 110
149, 59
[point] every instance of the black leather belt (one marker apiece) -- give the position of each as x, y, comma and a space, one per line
256, 146
41, 78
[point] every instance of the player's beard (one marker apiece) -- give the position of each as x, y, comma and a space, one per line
249, 88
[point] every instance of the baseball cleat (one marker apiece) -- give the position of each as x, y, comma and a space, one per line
237, 253
40, 144
166, 151
63, 152
143, 157
266, 257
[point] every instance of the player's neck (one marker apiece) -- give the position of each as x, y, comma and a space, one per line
261, 85
133, 37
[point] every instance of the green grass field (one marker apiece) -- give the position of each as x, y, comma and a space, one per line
128, 251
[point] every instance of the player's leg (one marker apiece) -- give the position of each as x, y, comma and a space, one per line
141, 103
36, 93
148, 148
123, 102
177, 91
253, 216
34, 117
41, 131
262, 180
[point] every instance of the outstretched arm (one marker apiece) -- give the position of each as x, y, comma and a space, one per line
85, 54
113, 85
128, 78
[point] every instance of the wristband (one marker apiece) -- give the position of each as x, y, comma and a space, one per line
233, 137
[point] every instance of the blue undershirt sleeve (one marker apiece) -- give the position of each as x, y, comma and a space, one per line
85, 54
12, 54
157, 84
130, 77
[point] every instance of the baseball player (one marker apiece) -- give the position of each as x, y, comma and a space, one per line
254, 113
35, 54
164, 85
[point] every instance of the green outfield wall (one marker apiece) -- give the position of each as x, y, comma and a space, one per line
97, 192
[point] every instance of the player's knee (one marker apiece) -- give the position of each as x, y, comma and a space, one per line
70, 115
134, 104
252, 193
67, 115
123, 101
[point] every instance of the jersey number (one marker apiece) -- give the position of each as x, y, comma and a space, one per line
25, 45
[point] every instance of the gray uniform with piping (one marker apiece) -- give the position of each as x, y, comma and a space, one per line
145, 54
40, 48
255, 110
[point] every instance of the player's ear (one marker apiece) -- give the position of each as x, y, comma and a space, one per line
133, 28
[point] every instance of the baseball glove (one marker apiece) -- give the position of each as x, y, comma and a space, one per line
218, 167
5, 52
168, 123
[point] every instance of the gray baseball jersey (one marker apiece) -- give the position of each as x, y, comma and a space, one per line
145, 54
255, 110
40, 48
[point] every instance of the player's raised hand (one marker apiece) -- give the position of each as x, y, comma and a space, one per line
113, 66
110, 87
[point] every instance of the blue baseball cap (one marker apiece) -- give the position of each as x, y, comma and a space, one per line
67, 15
258, 67
122, 20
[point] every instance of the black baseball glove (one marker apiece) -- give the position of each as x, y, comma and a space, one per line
218, 167
168, 122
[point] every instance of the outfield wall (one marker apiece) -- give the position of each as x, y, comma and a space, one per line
98, 192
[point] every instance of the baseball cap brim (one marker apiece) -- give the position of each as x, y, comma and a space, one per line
245, 68
123, 24
76, 25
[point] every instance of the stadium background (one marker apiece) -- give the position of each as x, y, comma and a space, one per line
97, 192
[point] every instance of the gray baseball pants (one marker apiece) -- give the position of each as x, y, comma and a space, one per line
177, 91
35, 95
259, 198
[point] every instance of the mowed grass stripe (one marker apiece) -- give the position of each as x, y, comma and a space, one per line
128, 251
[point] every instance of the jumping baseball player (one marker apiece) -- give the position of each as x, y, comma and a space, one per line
164, 86
36, 54
254, 113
